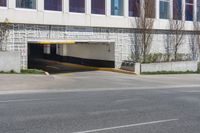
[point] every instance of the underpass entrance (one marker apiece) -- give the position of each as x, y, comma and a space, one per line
88, 53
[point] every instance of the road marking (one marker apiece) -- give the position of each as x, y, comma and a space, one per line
28, 100
192, 91
109, 111
125, 100
126, 126
53, 67
64, 90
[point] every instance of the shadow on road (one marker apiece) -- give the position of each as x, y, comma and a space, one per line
54, 67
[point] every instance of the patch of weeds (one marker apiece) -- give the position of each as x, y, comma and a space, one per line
198, 67
32, 71
168, 72
10, 72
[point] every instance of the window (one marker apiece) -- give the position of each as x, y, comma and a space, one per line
98, 6
177, 9
117, 7
134, 8
164, 9
189, 5
53, 5
149, 7
198, 10
77, 6
3, 3
30, 4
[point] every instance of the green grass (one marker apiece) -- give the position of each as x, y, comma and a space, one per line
11, 72
169, 72
25, 71
32, 71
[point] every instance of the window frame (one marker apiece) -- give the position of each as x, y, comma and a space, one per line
198, 11
138, 10
181, 11
189, 4
56, 11
5, 7
121, 10
28, 9
101, 14
85, 6
169, 9
154, 9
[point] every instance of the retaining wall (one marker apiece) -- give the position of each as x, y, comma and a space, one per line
182, 66
10, 61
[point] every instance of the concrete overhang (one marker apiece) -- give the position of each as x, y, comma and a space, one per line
64, 42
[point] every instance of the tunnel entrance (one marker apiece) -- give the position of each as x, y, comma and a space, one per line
82, 53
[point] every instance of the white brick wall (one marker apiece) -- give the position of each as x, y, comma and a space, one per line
20, 34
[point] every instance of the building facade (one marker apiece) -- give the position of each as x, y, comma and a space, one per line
102, 29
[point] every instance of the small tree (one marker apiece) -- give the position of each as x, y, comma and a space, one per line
176, 25
196, 30
144, 25
168, 47
193, 46
4, 32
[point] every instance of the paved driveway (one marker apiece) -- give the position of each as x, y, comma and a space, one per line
54, 67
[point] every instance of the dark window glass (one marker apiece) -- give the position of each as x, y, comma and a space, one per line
54, 5
30, 4
134, 8
164, 9
98, 6
149, 7
117, 7
189, 10
77, 6
3, 3
198, 10
177, 9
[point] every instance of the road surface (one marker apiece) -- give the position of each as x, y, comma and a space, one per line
173, 110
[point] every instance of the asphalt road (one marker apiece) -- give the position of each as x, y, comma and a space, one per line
107, 111
99, 102
53, 67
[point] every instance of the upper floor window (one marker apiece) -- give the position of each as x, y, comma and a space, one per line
164, 9
30, 4
77, 6
98, 6
149, 7
177, 9
117, 7
3, 3
134, 8
53, 5
189, 7
198, 10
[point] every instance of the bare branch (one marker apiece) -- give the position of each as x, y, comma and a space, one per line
176, 25
144, 24
4, 32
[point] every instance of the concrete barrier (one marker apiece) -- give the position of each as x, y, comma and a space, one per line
182, 66
10, 61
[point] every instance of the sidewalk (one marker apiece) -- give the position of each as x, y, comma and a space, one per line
94, 80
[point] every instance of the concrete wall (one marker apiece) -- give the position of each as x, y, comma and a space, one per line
90, 51
182, 66
41, 16
21, 34
10, 61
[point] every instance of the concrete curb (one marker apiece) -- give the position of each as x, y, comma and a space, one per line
172, 87
97, 68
